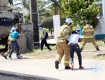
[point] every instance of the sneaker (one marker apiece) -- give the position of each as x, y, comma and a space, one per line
19, 57
10, 58
67, 67
57, 64
81, 49
81, 67
72, 67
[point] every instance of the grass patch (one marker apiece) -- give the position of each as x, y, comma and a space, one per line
88, 52
45, 54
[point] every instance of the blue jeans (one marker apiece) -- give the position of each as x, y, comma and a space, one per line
13, 45
75, 48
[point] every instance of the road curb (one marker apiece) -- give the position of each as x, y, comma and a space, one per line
23, 76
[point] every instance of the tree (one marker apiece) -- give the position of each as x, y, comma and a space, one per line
84, 10
43, 9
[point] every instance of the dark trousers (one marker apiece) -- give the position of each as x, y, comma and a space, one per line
43, 41
75, 48
13, 45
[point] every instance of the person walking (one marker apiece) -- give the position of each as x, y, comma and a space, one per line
62, 45
74, 47
43, 37
10, 39
88, 32
14, 43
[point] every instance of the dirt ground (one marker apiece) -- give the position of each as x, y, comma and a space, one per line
89, 51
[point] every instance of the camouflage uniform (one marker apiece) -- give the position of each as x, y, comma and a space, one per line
9, 46
88, 32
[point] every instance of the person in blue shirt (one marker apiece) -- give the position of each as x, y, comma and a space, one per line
14, 43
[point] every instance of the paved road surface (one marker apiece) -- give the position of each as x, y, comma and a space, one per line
44, 68
8, 78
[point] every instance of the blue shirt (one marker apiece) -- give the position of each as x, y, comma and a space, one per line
15, 34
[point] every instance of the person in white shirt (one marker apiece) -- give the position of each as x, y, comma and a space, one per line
74, 47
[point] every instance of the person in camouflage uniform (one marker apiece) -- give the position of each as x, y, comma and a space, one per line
10, 39
62, 45
88, 32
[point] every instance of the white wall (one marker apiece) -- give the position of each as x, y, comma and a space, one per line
100, 29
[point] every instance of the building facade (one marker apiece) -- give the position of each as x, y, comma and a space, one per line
3, 5
100, 28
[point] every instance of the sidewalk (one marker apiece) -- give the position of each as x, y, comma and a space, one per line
43, 69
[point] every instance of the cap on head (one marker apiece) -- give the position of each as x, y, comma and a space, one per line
40, 25
13, 29
68, 20
74, 32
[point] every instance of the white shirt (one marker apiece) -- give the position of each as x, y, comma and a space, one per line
73, 38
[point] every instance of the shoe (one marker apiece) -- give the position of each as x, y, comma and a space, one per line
81, 67
81, 49
72, 67
57, 64
19, 57
10, 58
4, 56
67, 67
97, 49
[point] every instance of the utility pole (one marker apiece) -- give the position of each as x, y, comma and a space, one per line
34, 20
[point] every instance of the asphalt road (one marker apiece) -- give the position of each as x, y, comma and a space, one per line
9, 78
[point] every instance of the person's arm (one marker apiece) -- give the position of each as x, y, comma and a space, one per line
66, 32
44, 33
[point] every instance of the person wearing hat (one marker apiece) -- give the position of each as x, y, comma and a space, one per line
43, 36
74, 47
88, 32
12, 38
62, 45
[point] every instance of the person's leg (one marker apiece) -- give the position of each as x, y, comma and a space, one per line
78, 51
13, 44
46, 44
59, 56
83, 44
72, 56
94, 43
8, 51
18, 51
67, 55
42, 44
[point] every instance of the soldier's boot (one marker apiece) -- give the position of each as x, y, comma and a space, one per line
97, 48
57, 64
4, 56
67, 67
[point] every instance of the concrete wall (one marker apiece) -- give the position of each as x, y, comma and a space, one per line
7, 14
27, 29
3, 5
22, 43
100, 29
